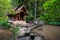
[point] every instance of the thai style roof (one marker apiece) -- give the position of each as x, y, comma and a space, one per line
21, 9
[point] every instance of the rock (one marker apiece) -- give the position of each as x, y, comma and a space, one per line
38, 38
22, 31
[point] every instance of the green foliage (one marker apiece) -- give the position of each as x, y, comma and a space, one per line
15, 31
29, 18
5, 24
4, 7
3, 19
49, 3
12, 12
53, 23
51, 12
51, 18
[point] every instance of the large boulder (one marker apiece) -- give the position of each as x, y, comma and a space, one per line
21, 23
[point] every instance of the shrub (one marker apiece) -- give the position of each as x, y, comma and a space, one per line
5, 24
51, 18
29, 18
15, 32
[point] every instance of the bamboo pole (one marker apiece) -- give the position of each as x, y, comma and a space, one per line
35, 8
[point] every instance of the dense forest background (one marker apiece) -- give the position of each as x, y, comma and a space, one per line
47, 10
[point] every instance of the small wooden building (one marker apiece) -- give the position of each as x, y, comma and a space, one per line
21, 11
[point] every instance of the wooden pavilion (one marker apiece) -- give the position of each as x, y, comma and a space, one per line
21, 11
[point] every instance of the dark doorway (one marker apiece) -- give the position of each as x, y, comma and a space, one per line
21, 16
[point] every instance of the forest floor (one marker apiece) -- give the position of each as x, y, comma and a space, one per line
50, 32
5, 35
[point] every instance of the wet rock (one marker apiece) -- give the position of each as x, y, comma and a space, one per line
38, 38
28, 38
